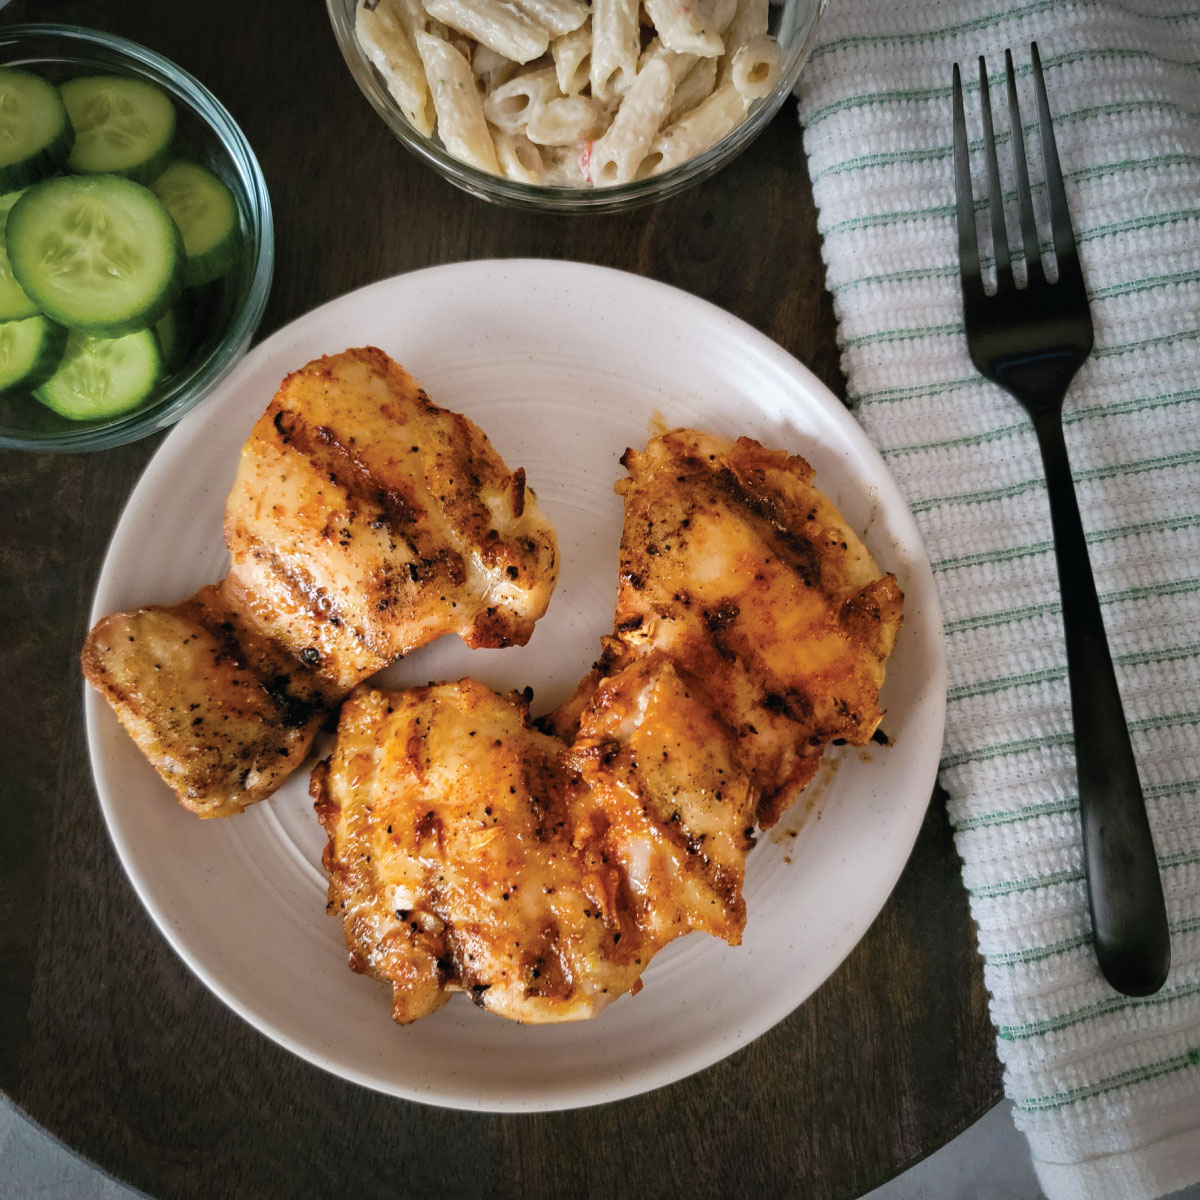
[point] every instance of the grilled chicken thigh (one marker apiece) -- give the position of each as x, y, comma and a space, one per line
750, 582
469, 852
451, 860
364, 522
223, 713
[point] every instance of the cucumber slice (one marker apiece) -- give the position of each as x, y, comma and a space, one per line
35, 134
14, 304
103, 377
30, 351
122, 126
176, 334
207, 216
95, 252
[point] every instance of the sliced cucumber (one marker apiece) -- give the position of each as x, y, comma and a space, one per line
96, 253
122, 126
35, 134
14, 304
103, 377
30, 351
176, 333
207, 216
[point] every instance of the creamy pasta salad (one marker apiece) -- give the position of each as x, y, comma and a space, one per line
570, 94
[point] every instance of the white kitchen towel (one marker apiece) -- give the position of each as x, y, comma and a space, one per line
1106, 1088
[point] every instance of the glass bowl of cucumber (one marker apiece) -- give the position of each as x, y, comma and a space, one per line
136, 240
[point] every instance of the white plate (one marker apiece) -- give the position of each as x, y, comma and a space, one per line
563, 365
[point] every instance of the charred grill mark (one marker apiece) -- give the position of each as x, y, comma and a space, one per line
791, 703
547, 976
517, 494
222, 631
802, 556
331, 457
492, 551
453, 565
728, 886
495, 628
415, 750
717, 621
429, 825
315, 599
286, 689
294, 711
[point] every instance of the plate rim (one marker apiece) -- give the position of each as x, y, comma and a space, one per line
649, 1078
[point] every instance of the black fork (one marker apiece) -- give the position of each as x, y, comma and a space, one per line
1031, 340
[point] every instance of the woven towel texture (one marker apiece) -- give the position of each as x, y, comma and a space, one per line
1106, 1088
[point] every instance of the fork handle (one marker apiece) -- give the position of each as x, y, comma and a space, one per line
1129, 916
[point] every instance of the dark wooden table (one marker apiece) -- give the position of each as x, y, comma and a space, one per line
109, 1043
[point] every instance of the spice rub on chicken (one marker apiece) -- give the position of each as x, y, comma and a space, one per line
738, 570
364, 522
469, 852
540, 868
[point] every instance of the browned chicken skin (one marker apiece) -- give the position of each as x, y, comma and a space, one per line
224, 713
364, 522
541, 871
469, 852
749, 580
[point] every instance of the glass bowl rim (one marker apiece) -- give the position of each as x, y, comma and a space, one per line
188, 390
568, 200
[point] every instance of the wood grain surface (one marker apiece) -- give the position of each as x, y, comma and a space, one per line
108, 1042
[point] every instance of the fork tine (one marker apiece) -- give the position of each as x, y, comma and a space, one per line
1060, 215
968, 247
1029, 233
995, 195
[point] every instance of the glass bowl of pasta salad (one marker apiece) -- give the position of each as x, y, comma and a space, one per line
575, 105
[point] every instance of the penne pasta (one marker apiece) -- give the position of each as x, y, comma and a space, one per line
616, 43
678, 64
572, 93
460, 121
754, 68
491, 69
749, 22
617, 155
696, 131
681, 26
496, 23
557, 17
564, 167
695, 86
518, 157
572, 56
565, 121
387, 44
720, 14
462, 44
511, 105
411, 15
